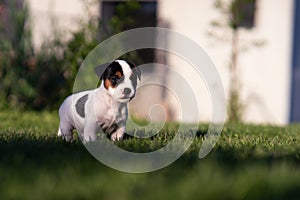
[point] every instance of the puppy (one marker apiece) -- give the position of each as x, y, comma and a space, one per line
104, 108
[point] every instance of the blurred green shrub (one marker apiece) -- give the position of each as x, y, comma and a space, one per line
38, 80
58, 62
16, 55
42, 79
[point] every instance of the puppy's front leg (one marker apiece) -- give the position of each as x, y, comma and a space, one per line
118, 134
89, 132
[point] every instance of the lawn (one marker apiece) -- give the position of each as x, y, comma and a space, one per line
248, 162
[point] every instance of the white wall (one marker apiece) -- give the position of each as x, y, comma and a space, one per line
264, 71
61, 15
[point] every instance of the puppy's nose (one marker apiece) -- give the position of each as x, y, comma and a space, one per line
127, 91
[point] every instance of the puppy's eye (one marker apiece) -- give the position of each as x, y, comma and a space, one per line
114, 80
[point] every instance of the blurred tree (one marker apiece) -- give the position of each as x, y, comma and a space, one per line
16, 55
235, 14
124, 15
42, 79
59, 60
124, 19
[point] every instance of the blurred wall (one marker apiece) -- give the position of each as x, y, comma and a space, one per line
58, 17
264, 70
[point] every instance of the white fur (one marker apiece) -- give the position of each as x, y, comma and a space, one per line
125, 67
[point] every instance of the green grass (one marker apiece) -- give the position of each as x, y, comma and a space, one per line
248, 162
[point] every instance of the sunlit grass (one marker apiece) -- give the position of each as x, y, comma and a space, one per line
248, 162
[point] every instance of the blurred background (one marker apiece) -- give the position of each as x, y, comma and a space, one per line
255, 45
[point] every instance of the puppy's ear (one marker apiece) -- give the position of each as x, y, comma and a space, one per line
135, 69
101, 69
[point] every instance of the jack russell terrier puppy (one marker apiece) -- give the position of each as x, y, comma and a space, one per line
104, 108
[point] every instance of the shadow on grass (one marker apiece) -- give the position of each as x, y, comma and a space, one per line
51, 166
25, 149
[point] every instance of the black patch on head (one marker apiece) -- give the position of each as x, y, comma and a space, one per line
112, 68
80, 104
136, 74
136, 71
110, 72
133, 79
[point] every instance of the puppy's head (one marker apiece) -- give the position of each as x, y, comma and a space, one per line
120, 79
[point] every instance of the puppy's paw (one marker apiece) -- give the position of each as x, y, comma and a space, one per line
116, 137
68, 138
